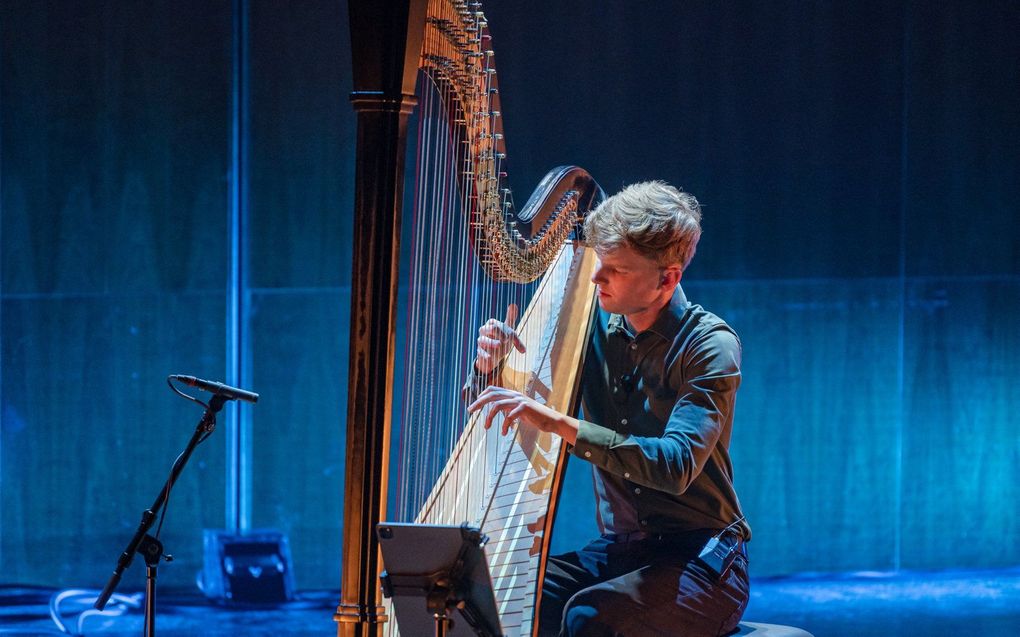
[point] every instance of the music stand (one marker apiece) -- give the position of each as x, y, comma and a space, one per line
444, 565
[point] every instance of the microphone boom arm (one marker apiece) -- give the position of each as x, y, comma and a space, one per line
142, 542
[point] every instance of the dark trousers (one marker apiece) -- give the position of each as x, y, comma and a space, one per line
650, 586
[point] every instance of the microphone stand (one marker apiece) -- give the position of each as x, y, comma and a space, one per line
150, 548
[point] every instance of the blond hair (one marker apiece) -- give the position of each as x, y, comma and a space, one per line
652, 218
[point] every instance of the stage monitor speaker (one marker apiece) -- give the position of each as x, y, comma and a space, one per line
247, 568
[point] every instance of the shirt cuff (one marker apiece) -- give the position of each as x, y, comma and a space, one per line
477, 382
593, 442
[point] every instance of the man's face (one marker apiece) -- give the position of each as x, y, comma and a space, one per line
628, 283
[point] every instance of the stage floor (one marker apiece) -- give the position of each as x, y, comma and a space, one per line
942, 604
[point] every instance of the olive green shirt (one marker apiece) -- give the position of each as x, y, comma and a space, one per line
657, 419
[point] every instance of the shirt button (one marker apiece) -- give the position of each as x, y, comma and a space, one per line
587, 454
623, 422
644, 522
637, 490
626, 475
633, 345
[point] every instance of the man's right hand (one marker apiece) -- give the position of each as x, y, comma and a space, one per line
495, 338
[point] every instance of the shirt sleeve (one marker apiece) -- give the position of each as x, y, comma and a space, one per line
476, 383
708, 376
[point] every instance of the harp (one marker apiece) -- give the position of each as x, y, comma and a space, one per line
474, 253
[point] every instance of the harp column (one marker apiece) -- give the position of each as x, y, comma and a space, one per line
386, 44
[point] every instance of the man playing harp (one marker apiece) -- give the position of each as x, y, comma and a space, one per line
658, 390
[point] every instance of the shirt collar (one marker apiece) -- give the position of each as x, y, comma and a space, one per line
666, 325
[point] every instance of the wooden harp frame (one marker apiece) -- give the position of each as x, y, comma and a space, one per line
386, 40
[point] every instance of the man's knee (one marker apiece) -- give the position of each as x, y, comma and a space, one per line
594, 612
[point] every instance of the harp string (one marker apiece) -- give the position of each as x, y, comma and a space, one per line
449, 296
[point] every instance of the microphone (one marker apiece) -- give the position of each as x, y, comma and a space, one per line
228, 392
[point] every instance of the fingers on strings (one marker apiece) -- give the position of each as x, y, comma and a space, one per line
511, 315
508, 327
495, 401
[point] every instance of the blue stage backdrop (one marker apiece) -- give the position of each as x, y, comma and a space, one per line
162, 164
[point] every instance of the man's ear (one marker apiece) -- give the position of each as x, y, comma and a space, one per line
671, 276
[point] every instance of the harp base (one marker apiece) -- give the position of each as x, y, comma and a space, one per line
359, 614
